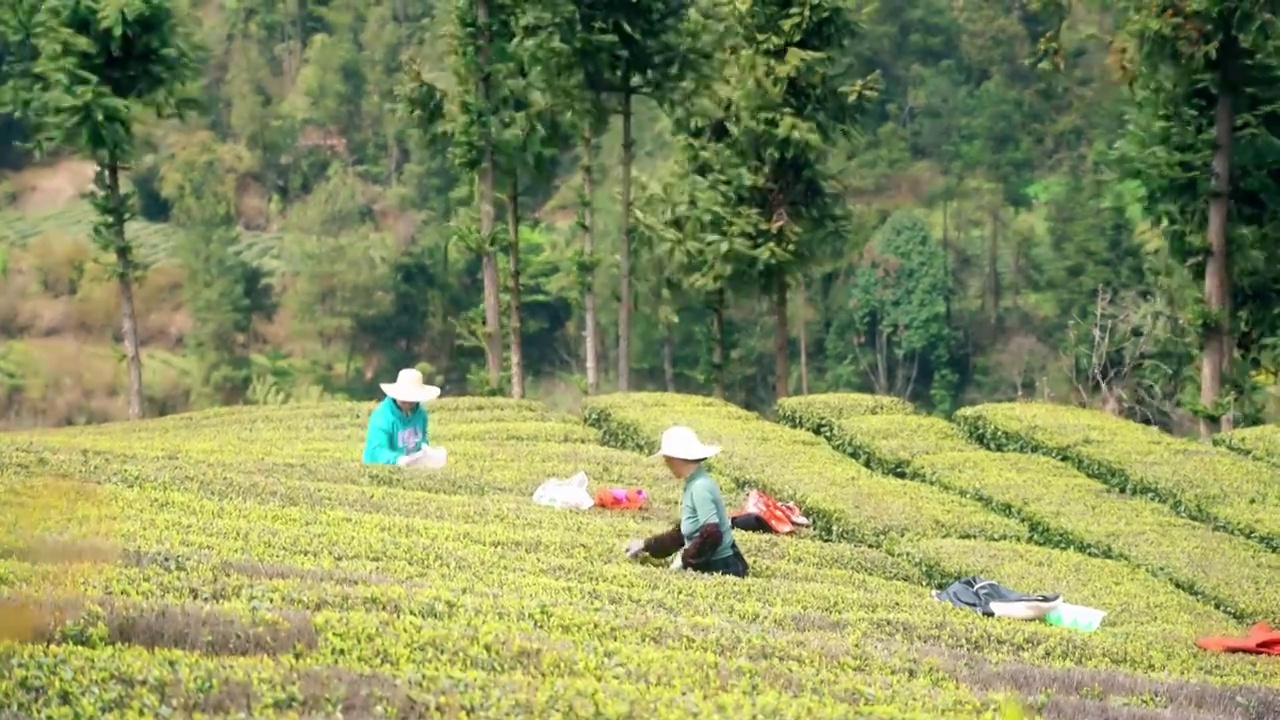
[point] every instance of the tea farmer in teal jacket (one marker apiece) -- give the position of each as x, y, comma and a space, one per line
398, 426
705, 541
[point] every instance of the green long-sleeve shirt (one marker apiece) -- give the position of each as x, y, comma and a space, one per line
701, 503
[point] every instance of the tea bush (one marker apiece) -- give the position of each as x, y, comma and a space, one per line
852, 502
1261, 443
1062, 507
759, 454
242, 563
840, 406
1204, 483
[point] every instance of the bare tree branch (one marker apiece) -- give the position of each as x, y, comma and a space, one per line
1121, 364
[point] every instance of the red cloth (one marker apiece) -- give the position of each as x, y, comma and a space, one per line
1260, 640
781, 517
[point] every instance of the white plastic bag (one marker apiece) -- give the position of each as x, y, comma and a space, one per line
565, 494
1075, 617
429, 458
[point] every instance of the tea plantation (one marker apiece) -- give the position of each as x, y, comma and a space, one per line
242, 563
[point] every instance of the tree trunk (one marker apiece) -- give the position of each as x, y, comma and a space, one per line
992, 300
624, 252
1215, 269
1227, 422
492, 299
1015, 286
946, 252
590, 341
717, 339
489, 259
804, 339
668, 358
125, 268
393, 160
882, 357
132, 354
513, 284
782, 384
444, 311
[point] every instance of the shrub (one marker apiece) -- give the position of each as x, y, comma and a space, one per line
1203, 483
839, 406
890, 444
1131, 599
850, 502
1065, 509
1068, 510
1261, 443
900, 444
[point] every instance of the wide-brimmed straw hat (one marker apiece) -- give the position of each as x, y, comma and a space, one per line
682, 443
409, 387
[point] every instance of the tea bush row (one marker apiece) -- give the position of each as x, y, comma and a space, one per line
1204, 483
1062, 507
1261, 443
371, 590
402, 535
68, 682
760, 454
441, 600
154, 241
848, 502
443, 559
323, 436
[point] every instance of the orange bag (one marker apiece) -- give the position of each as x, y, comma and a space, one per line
782, 517
621, 499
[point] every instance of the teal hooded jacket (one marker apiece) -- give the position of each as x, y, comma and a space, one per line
394, 433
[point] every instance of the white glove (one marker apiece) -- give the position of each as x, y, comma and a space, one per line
635, 547
677, 563
406, 460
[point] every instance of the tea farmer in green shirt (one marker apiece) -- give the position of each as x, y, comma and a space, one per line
397, 433
704, 538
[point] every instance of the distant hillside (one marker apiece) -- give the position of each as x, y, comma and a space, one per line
66, 381
59, 311
155, 241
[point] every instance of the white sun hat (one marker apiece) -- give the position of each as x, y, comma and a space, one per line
409, 387
682, 443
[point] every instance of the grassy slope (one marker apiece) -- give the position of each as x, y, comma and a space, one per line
334, 585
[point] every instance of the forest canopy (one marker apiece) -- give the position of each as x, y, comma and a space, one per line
948, 202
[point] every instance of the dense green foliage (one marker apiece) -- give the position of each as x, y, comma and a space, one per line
751, 199
80, 74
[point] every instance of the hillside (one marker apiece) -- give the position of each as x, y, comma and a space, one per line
948, 215
63, 365
977, 228
241, 561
